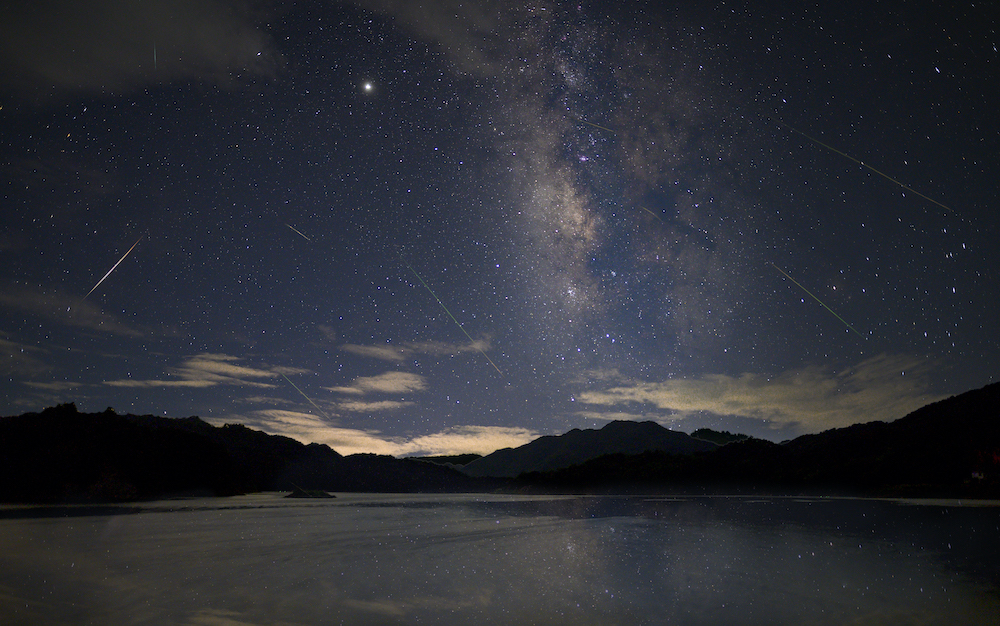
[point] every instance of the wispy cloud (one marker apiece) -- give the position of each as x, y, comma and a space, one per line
329, 332
114, 44
128, 382
474, 34
371, 407
401, 352
54, 386
18, 359
464, 439
384, 352
264, 400
309, 428
23, 362
209, 370
618, 415
389, 382
64, 309
810, 399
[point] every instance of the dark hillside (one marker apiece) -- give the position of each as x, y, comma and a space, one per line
61, 455
951, 442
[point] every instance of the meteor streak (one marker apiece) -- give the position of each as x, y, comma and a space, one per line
817, 300
305, 396
659, 217
449, 314
113, 268
298, 231
863, 164
594, 125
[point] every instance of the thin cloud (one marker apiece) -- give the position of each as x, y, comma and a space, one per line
18, 359
404, 351
329, 332
150, 384
811, 399
112, 45
286, 421
610, 416
64, 309
353, 441
384, 352
592, 376
209, 370
465, 439
309, 428
222, 367
264, 400
389, 382
474, 34
371, 407
54, 386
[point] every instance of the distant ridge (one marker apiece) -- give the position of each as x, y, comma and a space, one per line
950, 448
718, 437
577, 446
449, 459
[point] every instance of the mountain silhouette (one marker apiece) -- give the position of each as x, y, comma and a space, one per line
578, 446
947, 449
950, 448
61, 455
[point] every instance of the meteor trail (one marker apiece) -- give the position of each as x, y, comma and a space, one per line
298, 231
305, 396
817, 300
863, 164
594, 125
113, 268
449, 314
659, 217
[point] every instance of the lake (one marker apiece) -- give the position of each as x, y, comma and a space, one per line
461, 559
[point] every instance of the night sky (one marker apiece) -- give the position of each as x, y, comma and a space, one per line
443, 227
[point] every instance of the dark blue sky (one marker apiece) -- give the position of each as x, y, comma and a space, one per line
434, 228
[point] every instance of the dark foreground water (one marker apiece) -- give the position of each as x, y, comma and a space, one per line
378, 559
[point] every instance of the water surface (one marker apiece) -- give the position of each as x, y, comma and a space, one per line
386, 559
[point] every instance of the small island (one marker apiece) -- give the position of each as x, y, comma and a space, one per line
299, 492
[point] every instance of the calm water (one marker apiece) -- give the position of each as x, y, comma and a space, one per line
377, 559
